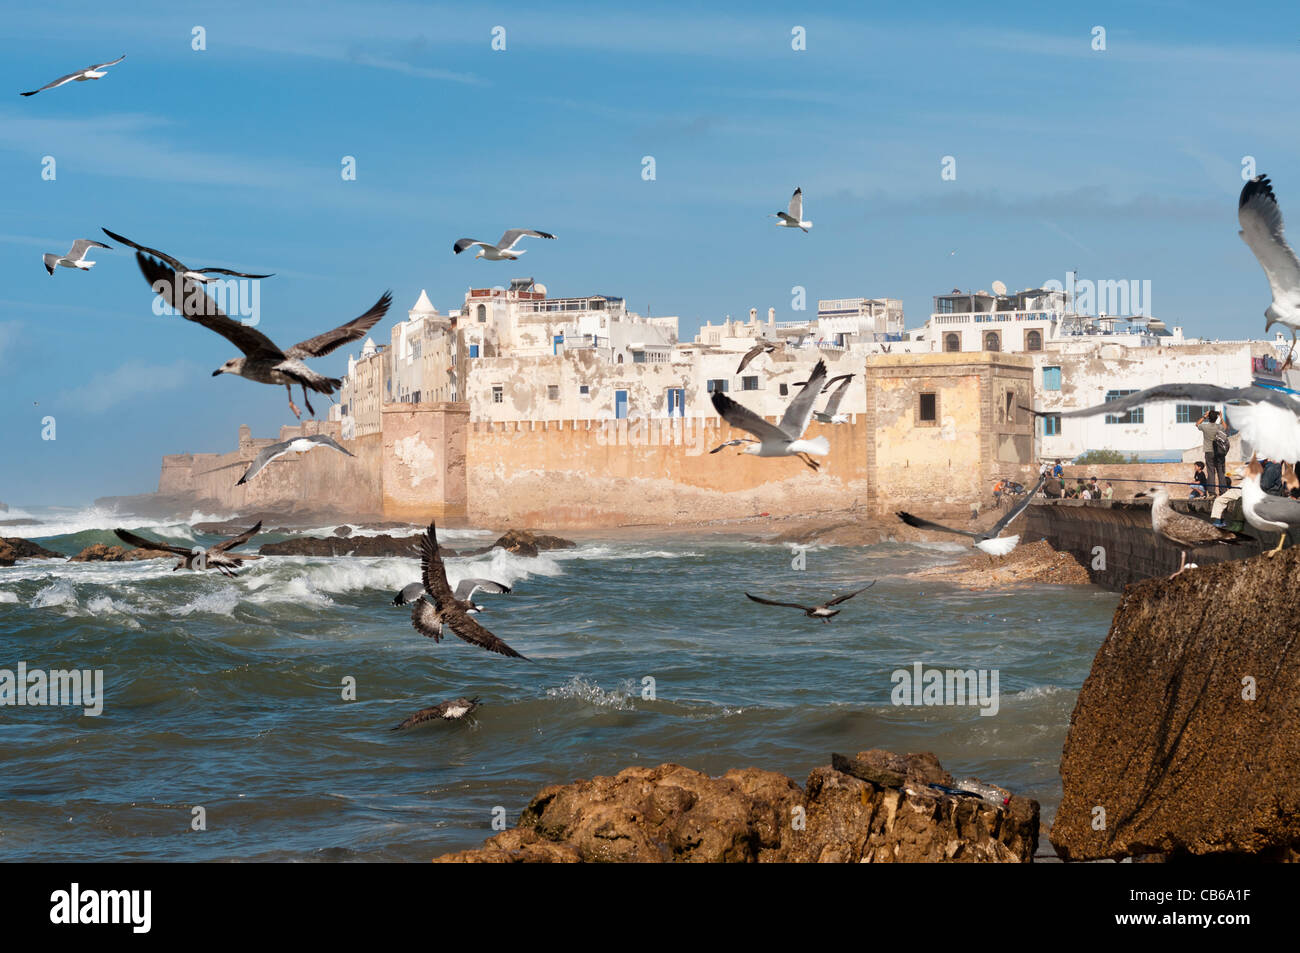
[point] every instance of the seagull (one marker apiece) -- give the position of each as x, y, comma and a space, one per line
214, 557
1267, 419
778, 440
201, 275
988, 542
438, 607
761, 346
292, 445
1276, 514
830, 414
80, 76
453, 710
464, 594
1261, 229
263, 361
1186, 531
75, 258
504, 249
823, 611
793, 218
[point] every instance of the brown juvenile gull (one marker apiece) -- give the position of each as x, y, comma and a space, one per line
778, 440
761, 346
263, 361
988, 542
464, 594
504, 249
203, 275
80, 76
438, 607
1186, 531
292, 445
823, 611
75, 258
452, 710
214, 557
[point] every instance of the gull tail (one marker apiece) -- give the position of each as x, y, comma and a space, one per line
818, 446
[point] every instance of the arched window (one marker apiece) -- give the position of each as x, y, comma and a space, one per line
482, 314
620, 359
952, 342
991, 342
1033, 341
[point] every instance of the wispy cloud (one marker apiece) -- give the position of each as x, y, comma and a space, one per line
128, 382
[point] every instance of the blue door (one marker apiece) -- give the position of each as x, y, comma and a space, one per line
676, 402
620, 404
556, 342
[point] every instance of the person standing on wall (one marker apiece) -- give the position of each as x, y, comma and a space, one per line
1214, 444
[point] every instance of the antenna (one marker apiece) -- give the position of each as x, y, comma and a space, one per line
999, 289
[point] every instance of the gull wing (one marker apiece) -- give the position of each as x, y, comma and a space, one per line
426, 620
325, 440
355, 329
743, 418
512, 235
265, 456
58, 82
1190, 531
833, 402
408, 594
463, 243
112, 63
466, 628
769, 602
752, 353
795, 420
796, 205
1015, 511
1261, 229
176, 264
432, 571
236, 541
140, 542
1198, 393
466, 588
919, 523
235, 274
1279, 509
838, 599
440, 711
81, 246
188, 298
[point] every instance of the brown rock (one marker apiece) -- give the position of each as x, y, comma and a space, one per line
99, 552
1165, 736
383, 545
26, 549
519, 845
7, 554
343, 531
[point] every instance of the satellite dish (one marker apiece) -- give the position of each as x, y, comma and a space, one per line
999, 288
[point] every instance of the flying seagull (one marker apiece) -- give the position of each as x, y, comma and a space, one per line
823, 611
761, 346
453, 710
504, 249
80, 76
438, 607
292, 445
778, 440
1267, 513
830, 414
214, 557
263, 361
464, 594
75, 258
1261, 229
1186, 531
793, 217
202, 275
1267, 419
988, 542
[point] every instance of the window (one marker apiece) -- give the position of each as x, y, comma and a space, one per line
1033, 341
991, 341
473, 350
749, 383
927, 410
1051, 378
552, 391
952, 342
415, 398
584, 391
498, 396
482, 314
1134, 416
1052, 425
638, 357
785, 390
718, 385
1190, 413
1010, 412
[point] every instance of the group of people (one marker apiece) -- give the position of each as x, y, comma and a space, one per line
1057, 488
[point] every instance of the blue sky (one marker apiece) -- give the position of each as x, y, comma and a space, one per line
1124, 164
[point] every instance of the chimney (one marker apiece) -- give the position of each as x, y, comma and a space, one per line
771, 318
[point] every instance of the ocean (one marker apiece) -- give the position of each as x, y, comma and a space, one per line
224, 700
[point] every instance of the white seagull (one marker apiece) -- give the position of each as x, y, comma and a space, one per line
1265, 512
988, 542
778, 440
292, 445
464, 594
80, 76
504, 249
1261, 229
75, 258
793, 218
830, 414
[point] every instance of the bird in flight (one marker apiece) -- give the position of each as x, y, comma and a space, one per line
453, 710
793, 216
75, 258
439, 608
778, 440
292, 445
830, 414
823, 611
214, 557
263, 361
504, 249
761, 346
80, 76
988, 542
201, 275
1261, 229
464, 594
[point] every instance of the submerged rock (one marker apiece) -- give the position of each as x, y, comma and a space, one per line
1184, 739
674, 814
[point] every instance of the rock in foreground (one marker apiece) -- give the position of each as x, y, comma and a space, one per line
101, 553
1185, 739
674, 814
15, 547
1035, 562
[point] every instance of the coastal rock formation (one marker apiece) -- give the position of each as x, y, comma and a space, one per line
101, 553
1035, 562
15, 547
343, 531
1185, 739
382, 545
524, 542
674, 814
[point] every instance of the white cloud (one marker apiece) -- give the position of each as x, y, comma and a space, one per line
131, 380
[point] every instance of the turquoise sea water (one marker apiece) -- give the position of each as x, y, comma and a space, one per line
227, 694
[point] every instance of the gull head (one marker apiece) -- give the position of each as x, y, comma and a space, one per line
232, 366
481, 253
1254, 468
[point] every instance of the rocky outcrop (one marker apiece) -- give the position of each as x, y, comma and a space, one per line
1185, 738
343, 531
382, 545
1034, 562
877, 807
100, 553
19, 548
524, 542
